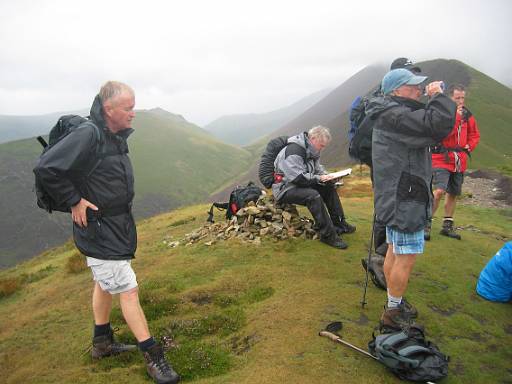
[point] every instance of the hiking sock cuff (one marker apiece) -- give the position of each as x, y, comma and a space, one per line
393, 302
448, 219
101, 329
147, 344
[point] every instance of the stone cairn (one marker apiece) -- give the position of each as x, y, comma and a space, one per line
265, 218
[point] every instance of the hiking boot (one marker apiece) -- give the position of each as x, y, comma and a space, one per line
105, 345
409, 308
376, 270
448, 230
382, 249
157, 366
395, 318
427, 230
344, 227
334, 241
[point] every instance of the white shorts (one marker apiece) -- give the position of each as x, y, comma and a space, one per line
113, 276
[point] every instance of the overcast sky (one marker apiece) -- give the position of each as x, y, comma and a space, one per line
204, 59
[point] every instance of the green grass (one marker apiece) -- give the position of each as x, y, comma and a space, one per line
491, 104
238, 313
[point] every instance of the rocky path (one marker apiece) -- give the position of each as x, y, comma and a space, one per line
487, 189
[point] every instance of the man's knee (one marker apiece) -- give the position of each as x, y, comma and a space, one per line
405, 261
438, 193
313, 199
131, 294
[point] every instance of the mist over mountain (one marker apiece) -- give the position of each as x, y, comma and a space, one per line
242, 129
489, 100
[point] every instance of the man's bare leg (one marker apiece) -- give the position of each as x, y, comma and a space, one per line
134, 315
101, 305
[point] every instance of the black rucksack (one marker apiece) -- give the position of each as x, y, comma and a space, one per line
409, 355
238, 198
65, 125
266, 170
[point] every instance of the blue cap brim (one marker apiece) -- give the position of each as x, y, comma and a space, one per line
415, 80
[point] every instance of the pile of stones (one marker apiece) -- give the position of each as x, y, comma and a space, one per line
265, 218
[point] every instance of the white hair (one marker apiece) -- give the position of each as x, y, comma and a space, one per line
320, 132
112, 89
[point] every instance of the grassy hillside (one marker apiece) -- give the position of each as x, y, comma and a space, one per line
491, 104
181, 161
251, 314
176, 163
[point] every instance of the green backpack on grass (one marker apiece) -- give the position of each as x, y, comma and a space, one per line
409, 355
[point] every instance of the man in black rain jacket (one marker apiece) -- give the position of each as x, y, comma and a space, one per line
103, 226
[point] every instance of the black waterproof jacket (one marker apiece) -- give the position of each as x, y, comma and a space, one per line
110, 233
403, 130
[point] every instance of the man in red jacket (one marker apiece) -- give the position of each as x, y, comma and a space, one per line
449, 160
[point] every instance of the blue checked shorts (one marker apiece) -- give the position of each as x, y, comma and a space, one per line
405, 242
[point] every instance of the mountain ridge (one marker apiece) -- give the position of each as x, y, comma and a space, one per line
244, 128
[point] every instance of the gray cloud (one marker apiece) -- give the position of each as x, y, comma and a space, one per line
204, 59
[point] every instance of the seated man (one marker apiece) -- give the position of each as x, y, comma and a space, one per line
301, 179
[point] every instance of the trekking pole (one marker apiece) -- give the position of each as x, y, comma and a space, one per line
338, 339
336, 326
363, 301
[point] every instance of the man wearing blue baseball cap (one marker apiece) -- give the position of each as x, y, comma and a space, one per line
403, 130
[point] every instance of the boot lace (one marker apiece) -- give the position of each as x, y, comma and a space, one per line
162, 364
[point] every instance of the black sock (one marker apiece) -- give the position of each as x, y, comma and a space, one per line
101, 330
146, 344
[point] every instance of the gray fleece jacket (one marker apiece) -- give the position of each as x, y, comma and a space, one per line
403, 130
298, 164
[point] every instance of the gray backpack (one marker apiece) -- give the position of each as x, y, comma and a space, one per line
409, 355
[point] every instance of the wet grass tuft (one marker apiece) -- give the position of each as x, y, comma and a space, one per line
8, 286
76, 263
39, 275
257, 294
196, 359
222, 324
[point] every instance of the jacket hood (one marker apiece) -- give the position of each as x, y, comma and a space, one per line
303, 140
96, 112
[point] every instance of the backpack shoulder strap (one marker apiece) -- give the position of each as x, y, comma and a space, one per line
100, 147
412, 349
295, 149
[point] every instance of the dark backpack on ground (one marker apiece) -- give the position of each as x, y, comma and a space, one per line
266, 170
238, 199
409, 355
65, 125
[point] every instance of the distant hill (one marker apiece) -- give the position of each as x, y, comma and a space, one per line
176, 163
243, 129
22, 127
489, 100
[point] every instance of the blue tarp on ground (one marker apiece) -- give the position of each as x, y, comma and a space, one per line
495, 281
